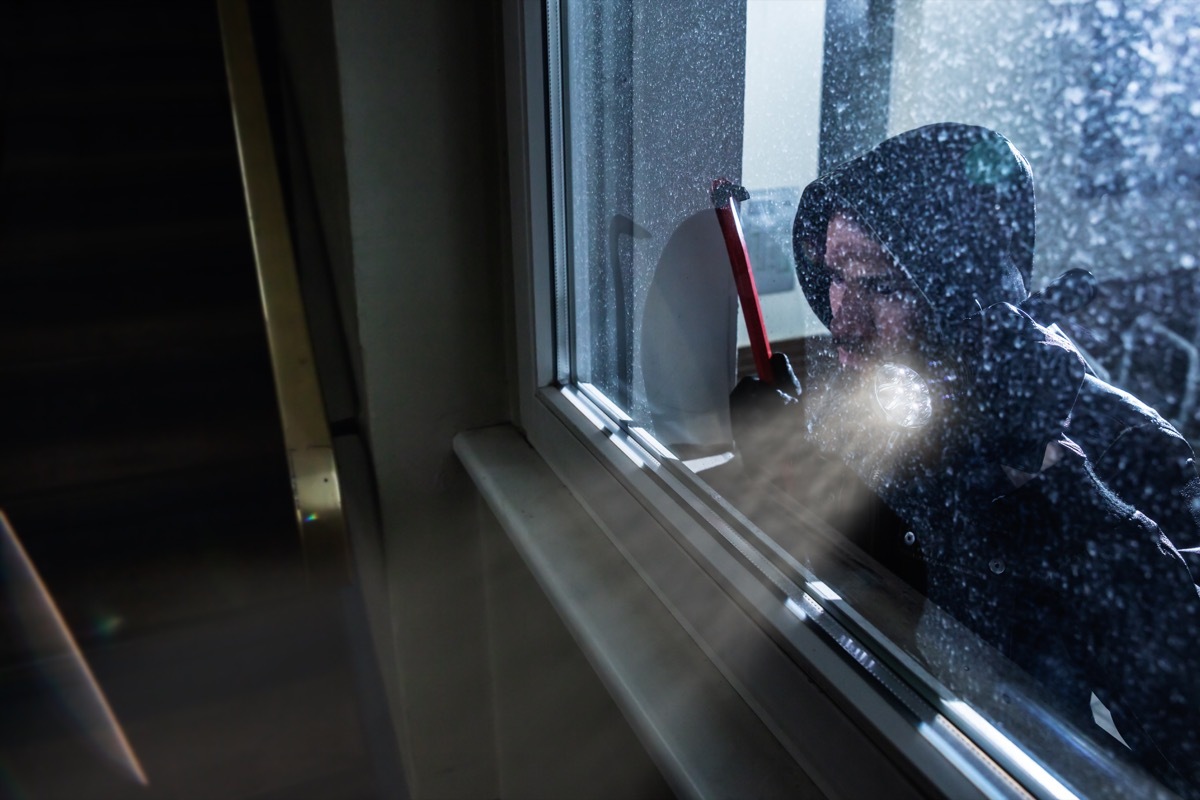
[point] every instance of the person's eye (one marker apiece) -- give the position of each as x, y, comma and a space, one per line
836, 277
893, 290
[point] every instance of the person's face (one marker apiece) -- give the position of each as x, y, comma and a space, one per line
876, 311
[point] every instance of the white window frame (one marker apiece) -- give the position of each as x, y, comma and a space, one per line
840, 723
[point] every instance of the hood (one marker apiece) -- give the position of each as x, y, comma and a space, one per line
952, 203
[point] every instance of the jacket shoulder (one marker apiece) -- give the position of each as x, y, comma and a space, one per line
1104, 415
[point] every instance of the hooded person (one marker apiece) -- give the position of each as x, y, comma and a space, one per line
1018, 511
953, 206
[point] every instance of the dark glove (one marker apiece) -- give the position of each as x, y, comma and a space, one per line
1019, 381
760, 412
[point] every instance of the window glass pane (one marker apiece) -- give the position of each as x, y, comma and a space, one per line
654, 94
780, 150
973, 230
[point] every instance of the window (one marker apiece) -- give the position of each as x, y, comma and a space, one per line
983, 582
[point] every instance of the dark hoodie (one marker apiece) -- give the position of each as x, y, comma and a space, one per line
1062, 575
953, 204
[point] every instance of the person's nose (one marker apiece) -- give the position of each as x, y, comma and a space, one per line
852, 316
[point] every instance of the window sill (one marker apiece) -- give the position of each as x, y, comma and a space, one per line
706, 740
716, 702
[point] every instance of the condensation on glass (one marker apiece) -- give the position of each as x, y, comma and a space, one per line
1101, 102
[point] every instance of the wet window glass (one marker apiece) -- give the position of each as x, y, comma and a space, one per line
957, 377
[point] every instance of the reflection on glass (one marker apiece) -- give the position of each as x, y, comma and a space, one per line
48, 642
993, 468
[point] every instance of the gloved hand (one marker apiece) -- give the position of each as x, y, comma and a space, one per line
1017, 385
760, 412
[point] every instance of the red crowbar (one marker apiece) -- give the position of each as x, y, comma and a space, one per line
724, 193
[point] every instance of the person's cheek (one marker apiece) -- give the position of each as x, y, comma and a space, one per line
893, 319
887, 326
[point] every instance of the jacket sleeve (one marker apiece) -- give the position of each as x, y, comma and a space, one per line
1137, 623
1143, 459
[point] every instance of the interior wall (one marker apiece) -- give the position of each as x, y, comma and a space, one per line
400, 109
558, 732
312, 152
418, 89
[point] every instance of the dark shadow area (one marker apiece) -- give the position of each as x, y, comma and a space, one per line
142, 462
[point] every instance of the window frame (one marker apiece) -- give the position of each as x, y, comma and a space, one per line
850, 724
